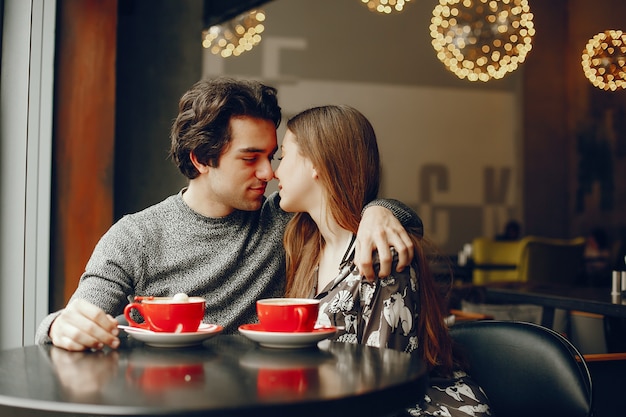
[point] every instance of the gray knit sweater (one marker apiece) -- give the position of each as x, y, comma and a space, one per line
168, 248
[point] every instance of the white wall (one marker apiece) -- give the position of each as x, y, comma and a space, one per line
25, 166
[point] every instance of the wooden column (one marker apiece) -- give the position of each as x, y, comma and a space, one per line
84, 126
546, 141
558, 102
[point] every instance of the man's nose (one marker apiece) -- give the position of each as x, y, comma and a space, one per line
265, 172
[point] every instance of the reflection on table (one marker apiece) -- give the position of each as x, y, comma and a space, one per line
227, 375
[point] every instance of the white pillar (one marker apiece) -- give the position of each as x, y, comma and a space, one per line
26, 101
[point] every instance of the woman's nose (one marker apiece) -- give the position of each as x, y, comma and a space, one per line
276, 172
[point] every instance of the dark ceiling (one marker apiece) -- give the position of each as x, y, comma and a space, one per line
218, 11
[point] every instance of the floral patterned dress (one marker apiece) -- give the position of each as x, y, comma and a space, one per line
384, 314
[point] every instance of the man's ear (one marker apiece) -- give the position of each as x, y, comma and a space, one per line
199, 166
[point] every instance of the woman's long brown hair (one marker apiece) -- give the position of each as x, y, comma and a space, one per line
436, 343
341, 144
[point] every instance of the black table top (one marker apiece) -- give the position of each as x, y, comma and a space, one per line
589, 299
227, 375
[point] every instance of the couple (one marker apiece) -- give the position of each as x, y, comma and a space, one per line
221, 239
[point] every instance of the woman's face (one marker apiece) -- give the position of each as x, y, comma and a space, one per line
297, 179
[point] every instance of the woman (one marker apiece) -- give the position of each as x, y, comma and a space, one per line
329, 171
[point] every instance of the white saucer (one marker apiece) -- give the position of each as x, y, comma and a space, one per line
161, 339
285, 340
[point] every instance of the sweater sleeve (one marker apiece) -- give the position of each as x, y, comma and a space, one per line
108, 278
407, 216
42, 333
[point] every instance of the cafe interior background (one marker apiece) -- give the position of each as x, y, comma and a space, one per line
541, 145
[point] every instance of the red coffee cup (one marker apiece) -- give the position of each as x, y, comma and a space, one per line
287, 314
166, 314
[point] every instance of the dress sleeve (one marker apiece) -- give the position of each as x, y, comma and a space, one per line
390, 307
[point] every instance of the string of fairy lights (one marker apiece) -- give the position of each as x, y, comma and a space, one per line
385, 6
604, 60
477, 40
482, 39
235, 36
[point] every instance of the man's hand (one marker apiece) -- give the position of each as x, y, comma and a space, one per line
379, 230
83, 325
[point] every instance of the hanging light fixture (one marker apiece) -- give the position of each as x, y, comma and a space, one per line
482, 39
385, 6
604, 60
236, 36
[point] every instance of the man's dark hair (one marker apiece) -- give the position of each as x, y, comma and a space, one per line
204, 113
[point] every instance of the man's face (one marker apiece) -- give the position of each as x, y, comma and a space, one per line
244, 169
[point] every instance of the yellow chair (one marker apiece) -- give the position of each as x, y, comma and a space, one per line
549, 260
537, 259
494, 260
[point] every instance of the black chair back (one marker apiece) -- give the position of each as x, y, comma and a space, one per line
525, 369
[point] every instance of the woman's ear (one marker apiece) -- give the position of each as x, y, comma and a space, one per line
314, 174
199, 166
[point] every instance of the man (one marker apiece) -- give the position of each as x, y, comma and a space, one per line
219, 238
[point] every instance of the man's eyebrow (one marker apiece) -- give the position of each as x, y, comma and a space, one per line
250, 150
256, 150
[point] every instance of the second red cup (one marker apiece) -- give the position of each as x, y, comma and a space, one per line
287, 314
